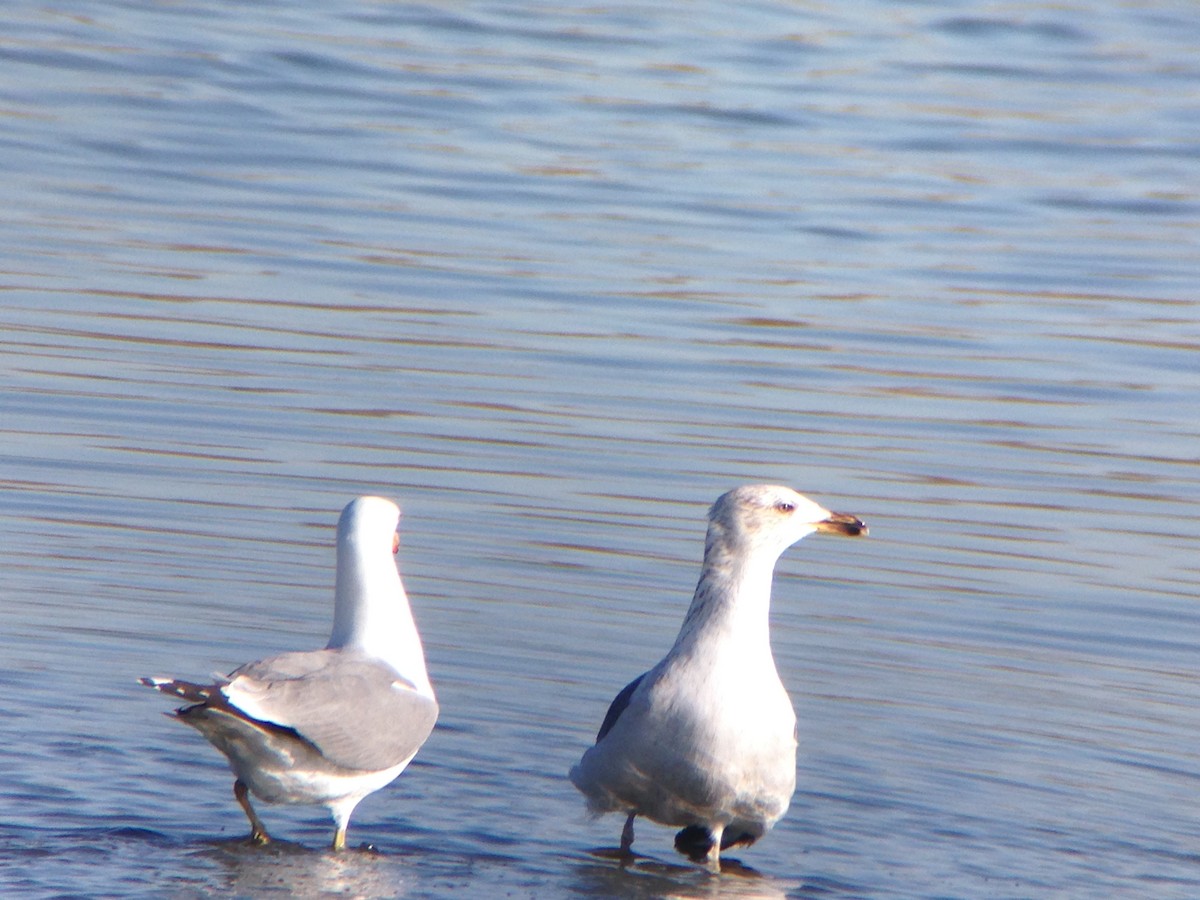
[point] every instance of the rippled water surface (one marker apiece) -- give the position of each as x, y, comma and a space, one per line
554, 277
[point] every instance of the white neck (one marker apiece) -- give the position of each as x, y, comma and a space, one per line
732, 603
371, 611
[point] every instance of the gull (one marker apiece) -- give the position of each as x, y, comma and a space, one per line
707, 738
327, 726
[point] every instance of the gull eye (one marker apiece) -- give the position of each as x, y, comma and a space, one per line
784, 507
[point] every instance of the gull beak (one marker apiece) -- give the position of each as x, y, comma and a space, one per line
841, 523
396, 542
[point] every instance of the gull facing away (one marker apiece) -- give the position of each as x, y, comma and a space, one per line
327, 726
707, 738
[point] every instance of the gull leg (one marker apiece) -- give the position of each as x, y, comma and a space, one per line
341, 810
713, 859
339, 836
258, 831
627, 836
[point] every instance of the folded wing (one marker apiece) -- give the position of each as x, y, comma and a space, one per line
357, 711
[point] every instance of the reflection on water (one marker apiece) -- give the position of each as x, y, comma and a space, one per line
292, 870
555, 278
650, 878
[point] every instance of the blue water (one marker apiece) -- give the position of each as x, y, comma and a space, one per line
554, 277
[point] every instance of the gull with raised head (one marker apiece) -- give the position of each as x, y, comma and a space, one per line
327, 726
706, 739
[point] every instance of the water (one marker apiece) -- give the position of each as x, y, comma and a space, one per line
554, 277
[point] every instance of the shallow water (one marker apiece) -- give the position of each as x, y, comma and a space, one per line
555, 277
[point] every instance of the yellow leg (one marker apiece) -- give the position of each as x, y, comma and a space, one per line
341, 811
258, 831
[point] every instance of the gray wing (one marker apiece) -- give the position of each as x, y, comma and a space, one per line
618, 706
359, 712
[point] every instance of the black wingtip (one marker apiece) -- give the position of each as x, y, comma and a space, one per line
694, 842
620, 702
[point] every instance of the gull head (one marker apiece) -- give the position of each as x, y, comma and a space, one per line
370, 607
366, 567
368, 524
768, 518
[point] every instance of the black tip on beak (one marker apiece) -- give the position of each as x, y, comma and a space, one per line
841, 523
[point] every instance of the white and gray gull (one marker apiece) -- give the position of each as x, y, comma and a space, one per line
707, 738
327, 726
